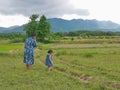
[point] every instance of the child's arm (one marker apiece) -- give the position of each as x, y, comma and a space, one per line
50, 58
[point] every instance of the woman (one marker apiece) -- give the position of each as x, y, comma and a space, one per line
30, 44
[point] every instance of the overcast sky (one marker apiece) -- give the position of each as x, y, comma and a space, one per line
17, 12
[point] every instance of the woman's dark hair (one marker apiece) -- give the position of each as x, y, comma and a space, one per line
33, 34
50, 51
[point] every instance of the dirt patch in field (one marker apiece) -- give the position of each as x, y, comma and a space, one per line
83, 45
14, 51
86, 78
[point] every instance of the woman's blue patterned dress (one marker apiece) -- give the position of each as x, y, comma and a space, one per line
29, 51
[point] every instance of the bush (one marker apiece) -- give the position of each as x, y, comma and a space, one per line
17, 40
88, 55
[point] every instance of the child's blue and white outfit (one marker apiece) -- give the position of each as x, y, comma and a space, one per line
48, 60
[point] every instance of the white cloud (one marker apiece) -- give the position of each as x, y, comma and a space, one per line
16, 12
51, 8
99, 9
11, 20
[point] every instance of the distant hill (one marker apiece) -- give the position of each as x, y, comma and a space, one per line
61, 25
80, 24
11, 29
16, 29
2, 30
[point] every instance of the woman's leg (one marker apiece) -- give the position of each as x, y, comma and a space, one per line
28, 67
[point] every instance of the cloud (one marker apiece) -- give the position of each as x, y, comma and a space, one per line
50, 8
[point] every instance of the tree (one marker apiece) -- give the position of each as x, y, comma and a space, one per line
43, 29
31, 27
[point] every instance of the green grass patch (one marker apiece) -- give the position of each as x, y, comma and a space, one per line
74, 64
8, 47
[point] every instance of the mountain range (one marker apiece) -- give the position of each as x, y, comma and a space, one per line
61, 25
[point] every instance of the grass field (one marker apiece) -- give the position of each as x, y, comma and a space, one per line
76, 67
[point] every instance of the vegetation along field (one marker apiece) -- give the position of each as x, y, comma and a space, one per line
76, 67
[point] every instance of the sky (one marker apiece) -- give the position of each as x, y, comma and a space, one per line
17, 12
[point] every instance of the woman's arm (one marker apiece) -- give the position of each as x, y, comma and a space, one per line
35, 43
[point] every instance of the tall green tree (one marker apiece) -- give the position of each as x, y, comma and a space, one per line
43, 29
31, 27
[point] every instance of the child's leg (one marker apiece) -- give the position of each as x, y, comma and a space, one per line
49, 68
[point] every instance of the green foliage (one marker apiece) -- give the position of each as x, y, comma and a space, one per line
60, 34
4, 54
84, 33
72, 39
88, 55
11, 35
14, 37
17, 40
41, 27
31, 27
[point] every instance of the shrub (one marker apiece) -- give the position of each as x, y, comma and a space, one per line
88, 55
17, 40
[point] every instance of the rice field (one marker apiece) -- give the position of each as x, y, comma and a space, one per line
76, 67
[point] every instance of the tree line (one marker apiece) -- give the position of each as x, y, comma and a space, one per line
12, 35
91, 33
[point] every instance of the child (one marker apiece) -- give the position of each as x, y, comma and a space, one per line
49, 62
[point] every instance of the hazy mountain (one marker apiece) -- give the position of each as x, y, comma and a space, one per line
71, 25
80, 24
11, 29
2, 29
16, 29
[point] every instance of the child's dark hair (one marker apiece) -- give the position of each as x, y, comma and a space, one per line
50, 51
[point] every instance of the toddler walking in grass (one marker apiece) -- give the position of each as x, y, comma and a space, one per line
49, 61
